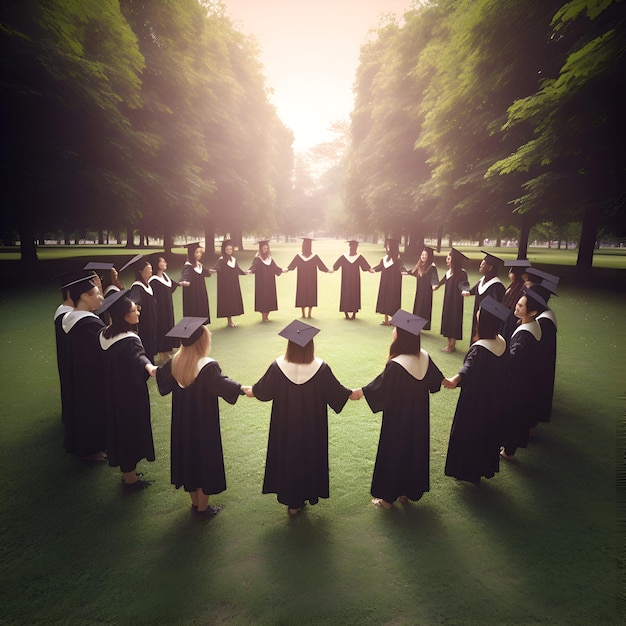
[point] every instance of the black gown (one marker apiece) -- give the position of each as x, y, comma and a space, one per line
265, 272
351, 267
402, 460
143, 296
475, 436
452, 310
296, 467
229, 300
306, 283
127, 401
423, 304
197, 459
521, 409
163, 288
547, 364
85, 418
481, 290
195, 297
390, 289
59, 336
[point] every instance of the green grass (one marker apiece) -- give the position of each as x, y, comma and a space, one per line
539, 543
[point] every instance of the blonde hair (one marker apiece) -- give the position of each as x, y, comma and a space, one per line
185, 361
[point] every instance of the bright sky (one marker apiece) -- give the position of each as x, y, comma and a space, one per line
310, 53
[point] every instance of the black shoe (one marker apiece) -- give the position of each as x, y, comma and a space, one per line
138, 485
212, 511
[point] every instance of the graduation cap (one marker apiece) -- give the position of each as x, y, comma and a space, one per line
538, 274
299, 332
307, 238
493, 307
548, 286
263, 242
79, 283
494, 261
352, 242
191, 248
226, 242
110, 301
98, 265
428, 249
459, 255
188, 330
536, 301
518, 266
129, 263
407, 321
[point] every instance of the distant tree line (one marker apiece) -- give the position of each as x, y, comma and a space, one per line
477, 118
136, 117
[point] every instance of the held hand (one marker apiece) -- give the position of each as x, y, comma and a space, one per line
151, 369
285, 270
247, 390
465, 293
184, 283
449, 383
356, 394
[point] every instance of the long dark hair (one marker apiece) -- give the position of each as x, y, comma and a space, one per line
404, 343
118, 312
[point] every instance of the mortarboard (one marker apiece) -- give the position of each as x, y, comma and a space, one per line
429, 249
352, 242
129, 263
263, 242
536, 301
458, 254
517, 266
532, 271
548, 286
110, 301
299, 332
97, 265
407, 321
79, 284
188, 330
493, 307
226, 242
491, 259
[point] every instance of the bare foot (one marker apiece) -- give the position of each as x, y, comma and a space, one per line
381, 502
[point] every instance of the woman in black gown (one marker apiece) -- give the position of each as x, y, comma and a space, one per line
455, 280
390, 289
351, 265
195, 297
425, 271
163, 287
265, 271
142, 294
229, 300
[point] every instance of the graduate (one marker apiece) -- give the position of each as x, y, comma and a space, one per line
163, 287
195, 297
196, 382
521, 413
425, 271
488, 285
84, 418
109, 277
545, 285
390, 289
142, 294
265, 271
475, 436
351, 264
301, 388
125, 370
229, 300
517, 272
307, 265
402, 393
455, 281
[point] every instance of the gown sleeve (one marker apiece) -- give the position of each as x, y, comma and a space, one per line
165, 380
363, 264
434, 376
337, 394
320, 264
220, 384
294, 263
263, 389
139, 373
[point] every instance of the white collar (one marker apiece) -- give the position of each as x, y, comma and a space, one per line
448, 274
305, 258
73, 317
105, 343
299, 373
387, 261
548, 314
165, 279
146, 288
62, 310
416, 365
532, 327
110, 289
496, 346
483, 286
267, 261
351, 259
231, 262
196, 267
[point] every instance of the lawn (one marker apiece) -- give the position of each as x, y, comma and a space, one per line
540, 543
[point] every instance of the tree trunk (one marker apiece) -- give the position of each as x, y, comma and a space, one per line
209, 240
588, 236
528, 219
28, 248
237, 237
130, 237
168, 242
439, 237
101, 237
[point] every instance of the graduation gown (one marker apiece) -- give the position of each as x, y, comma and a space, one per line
84, 418
483, 288
452, 310
197, 459
521, 409
351, 267
401, 392
265, 272
306, 283
296, 467
390, 289
163, 288
195, 297
143, 296
59, 336
127, 401
423, 304
547, 364
229, 300
474, 446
